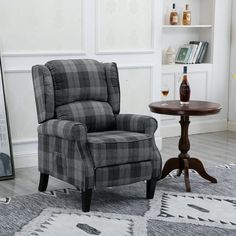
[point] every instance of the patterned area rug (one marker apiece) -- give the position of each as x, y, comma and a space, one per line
123, 211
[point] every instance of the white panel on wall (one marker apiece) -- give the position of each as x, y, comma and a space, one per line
198, 83
21, 106
135, 87
124, 25
30, 25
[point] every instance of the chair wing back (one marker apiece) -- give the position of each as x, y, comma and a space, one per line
43, 92
80, 90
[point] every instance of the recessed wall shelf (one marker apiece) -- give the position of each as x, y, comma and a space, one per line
175, 36
201, 29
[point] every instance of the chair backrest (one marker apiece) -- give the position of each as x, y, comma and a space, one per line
80, 90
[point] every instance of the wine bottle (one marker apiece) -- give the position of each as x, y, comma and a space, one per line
187, 16
173, 16
184, 90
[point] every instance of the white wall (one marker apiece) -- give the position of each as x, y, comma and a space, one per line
232, 88
221, 58
125, 31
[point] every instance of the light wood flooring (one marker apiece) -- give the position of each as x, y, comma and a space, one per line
212, 148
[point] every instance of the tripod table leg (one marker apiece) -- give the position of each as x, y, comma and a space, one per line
170, 165
197, 165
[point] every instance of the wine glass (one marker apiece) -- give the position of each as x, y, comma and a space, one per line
165, 92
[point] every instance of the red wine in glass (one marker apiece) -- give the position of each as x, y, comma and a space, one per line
165, 92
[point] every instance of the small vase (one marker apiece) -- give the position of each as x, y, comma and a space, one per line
170, 55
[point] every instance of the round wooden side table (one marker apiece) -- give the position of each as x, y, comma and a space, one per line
184, 162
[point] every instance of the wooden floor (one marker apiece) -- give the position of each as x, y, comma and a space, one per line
212, 148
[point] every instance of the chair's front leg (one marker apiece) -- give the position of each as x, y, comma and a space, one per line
86, 197
150, 188
43, 182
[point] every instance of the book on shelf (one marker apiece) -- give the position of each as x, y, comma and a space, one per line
199, 46
192, 53
203, 53
194, 50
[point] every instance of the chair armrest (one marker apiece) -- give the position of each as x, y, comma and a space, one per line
136, 123
64, 129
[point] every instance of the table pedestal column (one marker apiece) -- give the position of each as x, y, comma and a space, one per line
183, 162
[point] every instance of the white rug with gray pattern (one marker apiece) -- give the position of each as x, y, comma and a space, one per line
209, 210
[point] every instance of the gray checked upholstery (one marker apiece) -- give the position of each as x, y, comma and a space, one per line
119, 147
95, 114
76, 80
82, 138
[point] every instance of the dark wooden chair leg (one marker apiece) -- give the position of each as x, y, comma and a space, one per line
43, 182
86, 197
150, 188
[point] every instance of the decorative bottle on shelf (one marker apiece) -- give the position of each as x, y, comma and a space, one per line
184, 90
173, 16
186, 16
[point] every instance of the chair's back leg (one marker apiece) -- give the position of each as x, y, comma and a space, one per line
86, 197
150, 188
43, 183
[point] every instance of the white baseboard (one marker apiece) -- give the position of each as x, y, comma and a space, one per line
195, 127
158, 141
25, 153
232, 126
24, 159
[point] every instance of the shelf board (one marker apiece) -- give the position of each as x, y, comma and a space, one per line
181, 64
189, 65
179, 67
185, 26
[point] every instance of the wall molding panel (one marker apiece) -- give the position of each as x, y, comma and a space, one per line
112, 8
42, 54
132, 79
32, 27
23, 64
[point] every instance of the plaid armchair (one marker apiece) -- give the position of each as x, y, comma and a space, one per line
82, 138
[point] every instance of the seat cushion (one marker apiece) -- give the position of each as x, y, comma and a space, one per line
119, 147
76, 80
97, 116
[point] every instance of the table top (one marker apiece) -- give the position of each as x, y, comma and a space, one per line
194, 108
